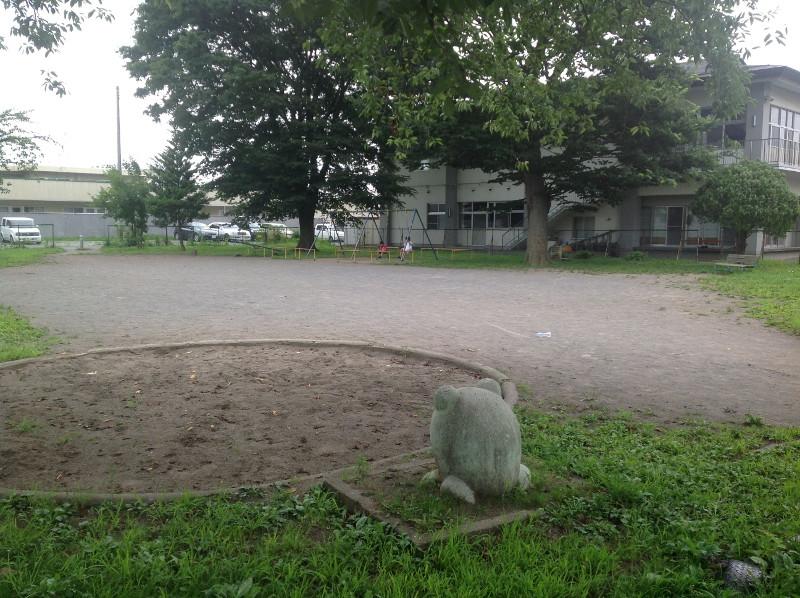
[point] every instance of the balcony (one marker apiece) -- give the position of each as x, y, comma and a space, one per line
781, 153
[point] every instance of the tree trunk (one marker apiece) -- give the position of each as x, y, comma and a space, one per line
538, 206
741, 241
306, 216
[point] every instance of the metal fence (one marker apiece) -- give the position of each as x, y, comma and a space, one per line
54, 226
611, 241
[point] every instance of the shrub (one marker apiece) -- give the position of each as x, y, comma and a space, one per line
583, 255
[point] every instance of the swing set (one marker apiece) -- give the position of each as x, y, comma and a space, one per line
413, 223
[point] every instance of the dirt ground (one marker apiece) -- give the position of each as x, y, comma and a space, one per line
658, 346
206, 418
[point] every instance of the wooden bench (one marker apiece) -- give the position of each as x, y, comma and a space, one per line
737, 261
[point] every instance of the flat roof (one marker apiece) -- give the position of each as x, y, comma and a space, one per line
57, 169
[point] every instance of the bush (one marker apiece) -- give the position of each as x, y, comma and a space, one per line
583, 255
636, 256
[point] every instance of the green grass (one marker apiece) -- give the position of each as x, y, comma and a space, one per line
516, 260
22, 256
85, 238
211, 248
421, 506
771, 291
19, 339
25, 426
649, 265
662, 509
424, 257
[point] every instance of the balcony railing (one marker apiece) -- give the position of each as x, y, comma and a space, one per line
778, 152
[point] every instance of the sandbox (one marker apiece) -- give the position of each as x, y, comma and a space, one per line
205, 416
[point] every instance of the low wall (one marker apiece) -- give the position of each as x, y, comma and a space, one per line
72, 225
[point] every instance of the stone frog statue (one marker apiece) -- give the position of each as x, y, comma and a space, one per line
476, 442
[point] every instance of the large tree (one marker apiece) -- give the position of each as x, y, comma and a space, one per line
176, 197
540, 76
272, 113
746, 197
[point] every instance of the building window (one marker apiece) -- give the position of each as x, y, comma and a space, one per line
663, 225
16, 209
82, 210
437, 216
32, 210
702, 233
480, 215
465, 215
784, 137
582, 227
775, 242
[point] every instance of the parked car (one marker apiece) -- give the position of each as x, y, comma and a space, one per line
226, 231
195, 231
19, 230
255, 228
280, 229
328, 232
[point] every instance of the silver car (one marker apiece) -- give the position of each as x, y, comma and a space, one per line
226, 231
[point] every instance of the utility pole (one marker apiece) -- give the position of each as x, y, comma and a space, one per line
119, 139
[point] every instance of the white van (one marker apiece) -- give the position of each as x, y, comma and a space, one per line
328, 232
19, 230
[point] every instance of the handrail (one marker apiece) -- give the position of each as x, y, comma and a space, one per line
520, 233
783, 153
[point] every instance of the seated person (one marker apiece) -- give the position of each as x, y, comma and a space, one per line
407, 248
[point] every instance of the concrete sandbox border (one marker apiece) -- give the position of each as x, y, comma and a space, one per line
509, 389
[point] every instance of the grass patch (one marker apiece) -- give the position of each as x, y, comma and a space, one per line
660, 510
420, 505
19, 339
212, 248
444, 258
516, 260
648, 265
771, 291
22, 256
25, 426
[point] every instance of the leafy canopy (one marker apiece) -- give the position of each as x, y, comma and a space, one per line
272, 114
42, 25
18, 145
748, 196
421, 60
575, 99
126, 199
176, 197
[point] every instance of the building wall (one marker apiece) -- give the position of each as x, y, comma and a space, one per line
606, 218
49, 193
450, 188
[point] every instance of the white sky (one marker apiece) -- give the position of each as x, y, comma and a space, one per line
83, 122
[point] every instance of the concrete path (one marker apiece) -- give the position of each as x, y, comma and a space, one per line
658, 346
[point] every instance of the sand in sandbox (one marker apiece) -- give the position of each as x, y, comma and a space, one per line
210, 417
